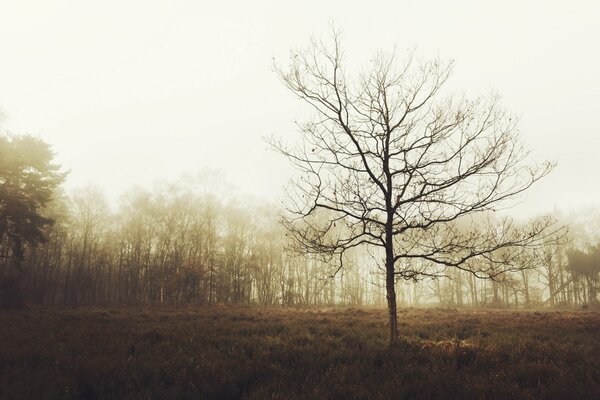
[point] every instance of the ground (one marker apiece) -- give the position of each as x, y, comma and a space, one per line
258, 353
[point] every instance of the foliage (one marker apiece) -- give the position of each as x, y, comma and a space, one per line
585, 262
28, 180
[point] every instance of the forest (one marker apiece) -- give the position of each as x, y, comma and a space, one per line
179, 244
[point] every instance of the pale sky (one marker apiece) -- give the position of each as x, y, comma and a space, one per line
131, 92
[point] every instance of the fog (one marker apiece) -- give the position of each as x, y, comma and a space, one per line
250, 200
132, 93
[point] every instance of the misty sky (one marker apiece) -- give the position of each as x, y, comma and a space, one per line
133, 92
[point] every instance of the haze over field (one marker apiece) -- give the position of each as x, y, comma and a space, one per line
292, 200
129, 93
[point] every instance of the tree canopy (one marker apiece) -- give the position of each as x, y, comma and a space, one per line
28, 181
391, 162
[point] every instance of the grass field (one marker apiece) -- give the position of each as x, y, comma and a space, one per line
255, 353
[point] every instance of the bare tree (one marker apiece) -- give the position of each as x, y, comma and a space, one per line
387, 161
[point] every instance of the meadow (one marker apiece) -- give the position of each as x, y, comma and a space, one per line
276, 353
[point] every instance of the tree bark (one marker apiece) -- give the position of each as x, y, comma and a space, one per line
391, 303
390, 280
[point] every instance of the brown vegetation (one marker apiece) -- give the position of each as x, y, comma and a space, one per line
255, 353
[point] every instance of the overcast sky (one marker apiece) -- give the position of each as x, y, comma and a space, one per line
132, 92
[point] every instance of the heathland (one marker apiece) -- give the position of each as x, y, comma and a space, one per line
333, 353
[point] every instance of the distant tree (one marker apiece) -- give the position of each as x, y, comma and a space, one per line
28, 181
389, 163
587, 264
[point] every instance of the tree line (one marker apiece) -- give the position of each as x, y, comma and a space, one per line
169, 245
180, 243
564, 276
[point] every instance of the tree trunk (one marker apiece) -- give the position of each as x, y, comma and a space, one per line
391, 291
390, 277
11, 286
391, 303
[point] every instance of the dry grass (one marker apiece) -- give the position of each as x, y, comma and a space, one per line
254, 353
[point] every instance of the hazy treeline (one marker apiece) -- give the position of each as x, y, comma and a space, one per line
566, 274
562, 278
173, 245
192, 241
